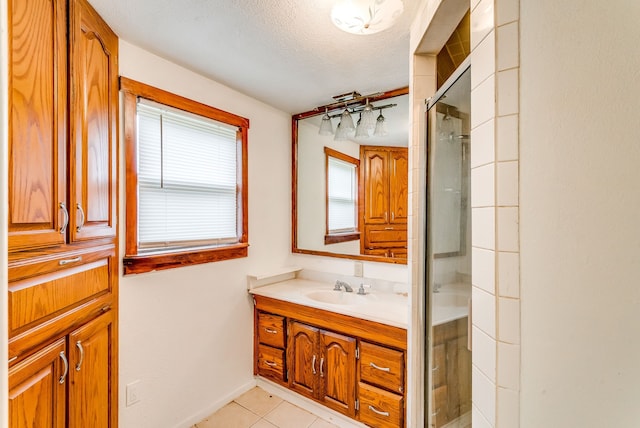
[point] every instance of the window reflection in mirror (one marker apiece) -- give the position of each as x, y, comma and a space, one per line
373, 189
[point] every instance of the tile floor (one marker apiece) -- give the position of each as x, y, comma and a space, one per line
257, 408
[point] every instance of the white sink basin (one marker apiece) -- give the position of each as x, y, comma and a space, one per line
335, 297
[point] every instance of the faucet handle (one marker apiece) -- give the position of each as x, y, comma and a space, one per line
361, 289
338, 285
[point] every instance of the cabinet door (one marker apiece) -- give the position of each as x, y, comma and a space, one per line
304, 359
93, 387
338, 372
375, 167
93, 132
398, 186
37, 389
37, 132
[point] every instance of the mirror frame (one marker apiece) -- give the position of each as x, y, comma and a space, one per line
294, 186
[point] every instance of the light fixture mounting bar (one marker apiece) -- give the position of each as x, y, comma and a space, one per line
358, 100
360, 108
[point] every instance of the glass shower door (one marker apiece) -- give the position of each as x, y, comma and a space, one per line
448, 260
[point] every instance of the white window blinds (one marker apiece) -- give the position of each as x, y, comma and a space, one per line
187, 179
341, 192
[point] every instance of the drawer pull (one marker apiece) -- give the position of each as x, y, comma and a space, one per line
384, 369
271, 363
388, 228
313, 365
81, 349
435, 369
11, 360
66, 367
65, 223
378, 412
105, 308
270, 330
67, 261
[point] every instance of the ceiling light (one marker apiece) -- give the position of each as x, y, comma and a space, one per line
326, 128
381, 126
366, 16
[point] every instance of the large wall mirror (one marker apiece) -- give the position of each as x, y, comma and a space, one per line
350, 194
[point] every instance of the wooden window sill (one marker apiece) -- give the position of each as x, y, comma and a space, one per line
343, 237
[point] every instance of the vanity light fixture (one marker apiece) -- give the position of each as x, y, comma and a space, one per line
366, 16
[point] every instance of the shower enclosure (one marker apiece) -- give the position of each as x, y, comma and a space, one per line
448, 261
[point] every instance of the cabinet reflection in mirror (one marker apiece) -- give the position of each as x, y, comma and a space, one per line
350, 194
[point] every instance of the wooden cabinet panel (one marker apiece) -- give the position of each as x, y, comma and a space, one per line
271, 330
93, 134
399, 186
37, 132
379, 408
382, 366
375, 166
56, 292
271, 362
36, 395
303, 358
92, 371
338, 371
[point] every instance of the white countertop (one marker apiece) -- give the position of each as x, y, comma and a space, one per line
383, 307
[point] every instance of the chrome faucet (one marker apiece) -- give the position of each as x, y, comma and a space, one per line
340, 284
436, 287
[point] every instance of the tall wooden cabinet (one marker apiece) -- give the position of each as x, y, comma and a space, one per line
63, 268
384, 196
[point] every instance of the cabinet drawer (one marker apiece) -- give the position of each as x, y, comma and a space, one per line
382, 366
380, 408
390, 236
271, 330
33, 300
271, 362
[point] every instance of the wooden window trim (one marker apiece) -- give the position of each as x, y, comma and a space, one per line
334, 238
139, 263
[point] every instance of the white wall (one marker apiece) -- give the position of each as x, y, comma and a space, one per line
187, 333
580, 202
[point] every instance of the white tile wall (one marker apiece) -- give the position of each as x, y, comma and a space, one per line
509, 368
507, 183
482, 186
509, 408
508, 89
483, 144
507, 226
478, 420
507, 11
483, 60
483, 271
507, 137
507, 46
483, 101
484, 347
481, 22
484, 312
483, 395
483, 232
509, 274
509, 320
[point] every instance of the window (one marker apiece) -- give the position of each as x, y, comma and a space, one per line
186, 181
342, 197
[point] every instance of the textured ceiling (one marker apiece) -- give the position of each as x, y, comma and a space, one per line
286, 53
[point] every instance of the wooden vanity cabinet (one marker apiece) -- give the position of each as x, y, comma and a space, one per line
384, 196
450, 372
323, 366
354, 366
63, 190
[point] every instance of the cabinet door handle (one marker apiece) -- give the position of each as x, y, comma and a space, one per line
384, 369
79, 226
322, 367
270, 330
67, 261
378, 412
66, 367
65, 223
81, 349
313, 364
393, 216
271, 363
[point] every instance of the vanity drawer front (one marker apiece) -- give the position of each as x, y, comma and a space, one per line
271, 330
380, 408
382, 366
271, 362
388, 236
